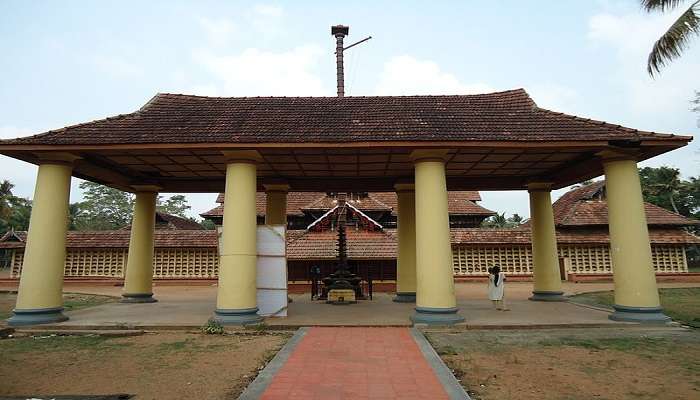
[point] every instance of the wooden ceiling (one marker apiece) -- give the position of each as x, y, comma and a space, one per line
339, 169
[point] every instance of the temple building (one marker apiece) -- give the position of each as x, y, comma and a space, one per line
418, 147
183, 250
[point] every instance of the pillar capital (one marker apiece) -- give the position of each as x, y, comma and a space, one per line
539, 186
404, 187
249, 156
53, 157
428, 155
146, 188
618, 154
276, 187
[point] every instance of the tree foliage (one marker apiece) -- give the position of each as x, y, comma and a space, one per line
175, 205
500, 221
678, 36
14, 211
663, 187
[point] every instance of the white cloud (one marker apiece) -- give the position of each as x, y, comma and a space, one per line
266, 19
256, 72
219, 31
631, 36
406, 75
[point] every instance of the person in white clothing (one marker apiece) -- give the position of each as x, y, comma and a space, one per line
497, 282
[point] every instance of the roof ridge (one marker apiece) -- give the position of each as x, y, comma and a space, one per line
500, 92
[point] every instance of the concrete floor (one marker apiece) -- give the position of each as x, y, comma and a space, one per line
191, 306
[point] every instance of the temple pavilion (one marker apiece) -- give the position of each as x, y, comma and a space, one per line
419, 147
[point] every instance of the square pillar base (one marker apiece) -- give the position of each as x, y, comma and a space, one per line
244, 316
138, 298
436, 316
405, 297
644, 315
37, 316
544, 295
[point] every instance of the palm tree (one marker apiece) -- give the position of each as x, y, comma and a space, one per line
5, 198
667, 183
672, 43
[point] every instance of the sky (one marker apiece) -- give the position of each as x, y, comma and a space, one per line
69, 62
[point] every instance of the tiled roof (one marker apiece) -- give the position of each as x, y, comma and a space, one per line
169, 221
296, 201
586, 206
362, 245
459, 202
120, 238
481, 236
172, 118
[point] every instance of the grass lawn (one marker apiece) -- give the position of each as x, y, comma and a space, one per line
71, 301
574, 364
164, 365
681, 304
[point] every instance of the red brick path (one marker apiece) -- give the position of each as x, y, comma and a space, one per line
356, 363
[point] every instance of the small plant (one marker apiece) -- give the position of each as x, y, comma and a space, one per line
213, 327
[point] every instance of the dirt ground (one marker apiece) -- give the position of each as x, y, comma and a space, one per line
164, 365
574, 364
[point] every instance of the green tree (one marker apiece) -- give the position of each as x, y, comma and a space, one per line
5, 198
175, 205
496, 221
677, 38
103, 208
515, 220
661, 186
208, 224
14, 211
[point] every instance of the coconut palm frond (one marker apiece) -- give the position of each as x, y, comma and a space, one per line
671, 45
660, 5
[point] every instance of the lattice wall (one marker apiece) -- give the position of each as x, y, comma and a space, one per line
167, 263
467, 260
517, 260
186, 263
669, 259
587, 259
475, 260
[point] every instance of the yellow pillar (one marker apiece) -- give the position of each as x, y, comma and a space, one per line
406, 255
276, 204
236, 302
40, 294
636, 294
138, 281
544, 245
435, 292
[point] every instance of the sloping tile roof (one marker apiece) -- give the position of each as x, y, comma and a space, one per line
362, 245
173, 118
459, 202
586, 206
481, 236
296, 202
120, 238
169, 221
174, 222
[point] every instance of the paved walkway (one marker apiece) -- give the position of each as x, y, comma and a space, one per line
356, 363
191, 306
